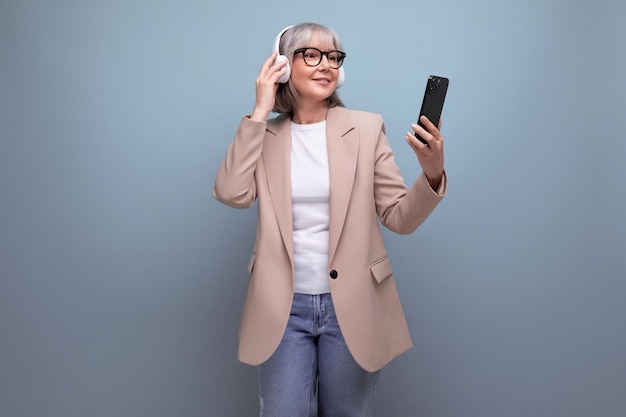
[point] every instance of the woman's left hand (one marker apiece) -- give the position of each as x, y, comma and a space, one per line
430, 156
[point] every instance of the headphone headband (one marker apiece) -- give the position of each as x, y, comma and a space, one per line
278, 37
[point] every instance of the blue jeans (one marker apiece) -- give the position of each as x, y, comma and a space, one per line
312, 373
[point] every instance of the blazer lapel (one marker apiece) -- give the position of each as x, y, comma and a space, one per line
277, 162
343, 149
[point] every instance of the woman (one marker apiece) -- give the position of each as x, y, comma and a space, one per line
322, 314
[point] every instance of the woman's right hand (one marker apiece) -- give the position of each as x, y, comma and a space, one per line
266, 87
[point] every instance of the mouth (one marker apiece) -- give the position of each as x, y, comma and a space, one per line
322, 80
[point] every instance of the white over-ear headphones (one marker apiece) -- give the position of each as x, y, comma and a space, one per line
279, 58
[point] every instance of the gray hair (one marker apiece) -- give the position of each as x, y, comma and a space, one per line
287, 98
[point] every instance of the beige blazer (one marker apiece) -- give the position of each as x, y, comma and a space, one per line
365, 186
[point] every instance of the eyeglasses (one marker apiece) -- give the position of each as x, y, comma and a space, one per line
313, 57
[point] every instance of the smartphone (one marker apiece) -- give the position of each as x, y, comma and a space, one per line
432, 103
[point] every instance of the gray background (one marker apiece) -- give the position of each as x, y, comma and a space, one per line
122, 279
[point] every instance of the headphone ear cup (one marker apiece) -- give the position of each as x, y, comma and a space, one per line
341, 77
285, 77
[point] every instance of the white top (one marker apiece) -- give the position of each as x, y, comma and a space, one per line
310, 196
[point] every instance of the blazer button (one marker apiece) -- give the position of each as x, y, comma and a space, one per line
334, 274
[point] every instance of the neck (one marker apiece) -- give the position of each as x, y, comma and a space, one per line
308, 114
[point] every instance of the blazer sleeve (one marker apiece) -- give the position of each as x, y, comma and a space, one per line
400, 208
235, 183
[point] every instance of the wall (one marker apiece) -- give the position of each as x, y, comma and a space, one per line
121, 279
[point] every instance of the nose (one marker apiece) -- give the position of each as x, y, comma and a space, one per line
324, 62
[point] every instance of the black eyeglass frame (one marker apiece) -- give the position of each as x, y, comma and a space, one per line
340, 56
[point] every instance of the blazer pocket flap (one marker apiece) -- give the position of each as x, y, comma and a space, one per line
381, 269
251, 263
